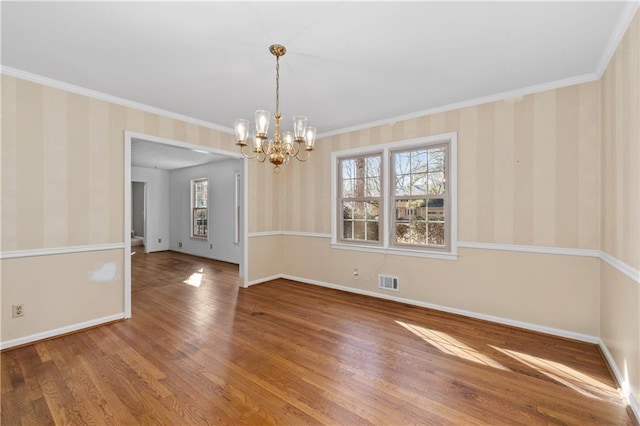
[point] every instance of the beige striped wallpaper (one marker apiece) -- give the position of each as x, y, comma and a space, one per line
528, 169
620, 295
621, 150
62, 167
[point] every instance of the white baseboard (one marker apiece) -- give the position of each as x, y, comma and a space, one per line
625, 390
264, 280
499, 320
59, 331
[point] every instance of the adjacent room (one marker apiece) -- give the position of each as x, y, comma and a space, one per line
320, 213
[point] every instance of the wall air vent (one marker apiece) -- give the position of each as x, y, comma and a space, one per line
387, 282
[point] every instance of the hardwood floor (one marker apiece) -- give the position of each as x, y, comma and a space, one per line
200, 350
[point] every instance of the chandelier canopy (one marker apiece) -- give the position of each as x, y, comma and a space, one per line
282, 147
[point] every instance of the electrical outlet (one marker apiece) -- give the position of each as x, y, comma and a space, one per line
356, 273
180, 244
211, 246
17, 310
159, 240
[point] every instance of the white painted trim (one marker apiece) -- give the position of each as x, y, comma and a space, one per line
181, 144
616, 36
621, 266
396, 251
571, 81
530, 249
453, 191
59, 331
624, 390
128, 136
264, 279
244, 230
305, 234
385, 150
624, 268
395, 145
59, 250
236, 207
525, 325
56, 84
334, 196
264, 234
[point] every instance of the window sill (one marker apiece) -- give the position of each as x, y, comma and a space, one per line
397, 251
199, 238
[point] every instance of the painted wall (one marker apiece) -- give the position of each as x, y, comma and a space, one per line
62, 177
527, 175
527, 169
267, 258
558, 168
503, 284
620, 226
221, 187
46, 284
157, 206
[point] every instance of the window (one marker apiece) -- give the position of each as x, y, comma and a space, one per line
199, 206
397, 197
360, 198
419, 192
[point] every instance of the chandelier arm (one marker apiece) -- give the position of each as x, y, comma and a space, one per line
247, 156
295, 149
303, 159
261, 158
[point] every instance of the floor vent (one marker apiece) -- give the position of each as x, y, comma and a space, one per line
388, 282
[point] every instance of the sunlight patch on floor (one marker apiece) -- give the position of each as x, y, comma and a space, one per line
451, 346
570, 377
195, 279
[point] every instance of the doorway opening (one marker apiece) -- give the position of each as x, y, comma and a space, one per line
161, 170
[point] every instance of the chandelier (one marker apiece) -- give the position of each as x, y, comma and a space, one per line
282, 147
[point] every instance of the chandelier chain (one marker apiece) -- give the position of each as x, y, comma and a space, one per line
278, 85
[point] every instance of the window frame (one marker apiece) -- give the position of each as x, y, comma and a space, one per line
387, 209
341, 199
411, 211
194, 208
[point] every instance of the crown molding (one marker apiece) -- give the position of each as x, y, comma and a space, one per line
512, 94
56, 84
614, 40
616, 36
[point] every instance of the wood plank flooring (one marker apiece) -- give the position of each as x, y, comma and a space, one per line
200, 350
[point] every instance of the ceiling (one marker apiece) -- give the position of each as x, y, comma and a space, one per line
153, 155
348, 63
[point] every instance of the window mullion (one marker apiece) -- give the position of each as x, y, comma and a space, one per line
386, 178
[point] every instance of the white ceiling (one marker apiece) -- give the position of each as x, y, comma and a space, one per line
155, 155
348, 63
